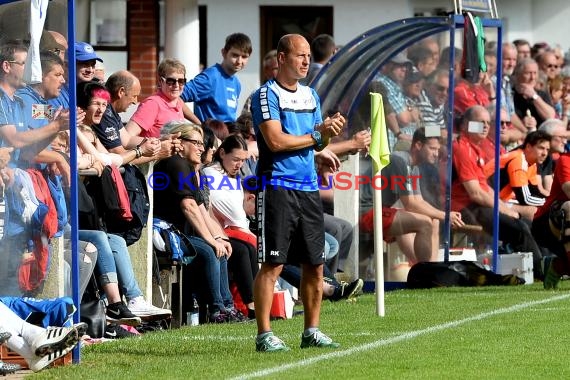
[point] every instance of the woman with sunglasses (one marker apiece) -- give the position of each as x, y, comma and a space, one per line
165, 105
179, 199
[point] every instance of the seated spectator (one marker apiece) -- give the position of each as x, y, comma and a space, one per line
433, 100
423, 59
518, 177
227, 204
473, 197
557, 131
531, 106
165, 105
38, 346
182, 203
412, 88
551, 226
392, 78
469, 94
417, 215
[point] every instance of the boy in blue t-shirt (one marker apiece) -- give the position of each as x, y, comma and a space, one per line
215, 91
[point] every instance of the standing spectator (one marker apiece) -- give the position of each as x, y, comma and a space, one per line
85, 61
270, 68
15, 131
323, 48
165, 105
523, 49
215, 91
288, 125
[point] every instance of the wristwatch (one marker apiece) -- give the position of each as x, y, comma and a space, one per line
535, 96
316, 135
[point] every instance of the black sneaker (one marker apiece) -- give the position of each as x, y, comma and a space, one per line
115, 331
346, 290
119, 312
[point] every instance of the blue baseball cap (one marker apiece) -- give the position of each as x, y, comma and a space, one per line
84, 52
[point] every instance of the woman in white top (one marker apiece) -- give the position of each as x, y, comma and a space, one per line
227, 205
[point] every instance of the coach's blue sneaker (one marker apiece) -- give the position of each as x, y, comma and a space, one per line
270, 343
551, 278
317, 339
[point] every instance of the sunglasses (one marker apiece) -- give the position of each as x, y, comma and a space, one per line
173, 81
505, 123
551, 66
197, 143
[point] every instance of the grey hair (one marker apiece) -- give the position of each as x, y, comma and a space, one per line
549, 126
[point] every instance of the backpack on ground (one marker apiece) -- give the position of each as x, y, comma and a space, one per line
456, 273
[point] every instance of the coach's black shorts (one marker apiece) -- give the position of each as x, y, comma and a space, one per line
291, 226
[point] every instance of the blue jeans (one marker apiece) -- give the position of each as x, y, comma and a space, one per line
214, 272
113, 261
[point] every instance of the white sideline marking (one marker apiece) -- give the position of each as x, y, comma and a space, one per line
395, 339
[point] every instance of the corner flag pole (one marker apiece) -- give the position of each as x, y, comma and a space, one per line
380, 154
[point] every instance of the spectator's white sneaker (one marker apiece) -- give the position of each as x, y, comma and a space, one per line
141, 308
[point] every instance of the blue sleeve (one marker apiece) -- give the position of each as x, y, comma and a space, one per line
199, 88
318, 113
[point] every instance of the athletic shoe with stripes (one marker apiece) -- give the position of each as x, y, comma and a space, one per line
55, 339
38, 363
270, 343
317, 339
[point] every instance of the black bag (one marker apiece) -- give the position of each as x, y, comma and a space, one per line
92, 310
456, 273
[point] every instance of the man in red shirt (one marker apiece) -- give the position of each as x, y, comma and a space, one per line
473, 197
551, 225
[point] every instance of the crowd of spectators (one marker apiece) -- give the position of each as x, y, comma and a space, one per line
209, 157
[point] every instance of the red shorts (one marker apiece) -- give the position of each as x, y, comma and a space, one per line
388, 215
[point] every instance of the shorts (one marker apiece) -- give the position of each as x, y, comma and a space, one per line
291, 226
388, 215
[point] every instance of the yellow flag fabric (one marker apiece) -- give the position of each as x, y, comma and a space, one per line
379, 150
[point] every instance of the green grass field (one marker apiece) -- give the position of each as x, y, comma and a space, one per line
452, 333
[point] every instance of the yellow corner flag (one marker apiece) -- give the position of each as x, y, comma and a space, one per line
379, 150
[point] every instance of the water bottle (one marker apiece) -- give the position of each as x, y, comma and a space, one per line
193, 316
488, 258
